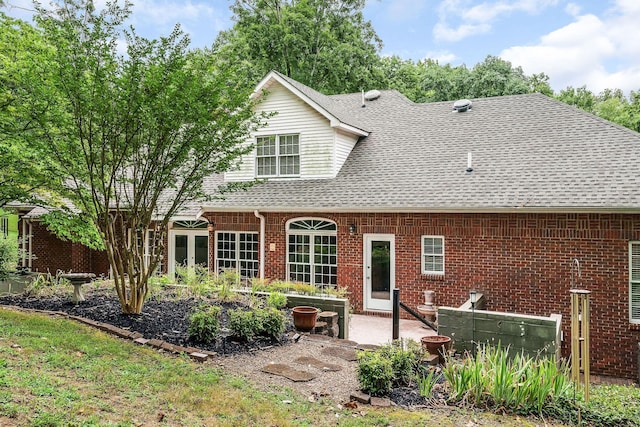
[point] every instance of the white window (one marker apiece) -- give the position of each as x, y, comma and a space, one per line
154, 245
237, 250
634, 282
432, 255
278, 155
312, 252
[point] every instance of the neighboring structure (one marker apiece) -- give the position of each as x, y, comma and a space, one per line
372, 192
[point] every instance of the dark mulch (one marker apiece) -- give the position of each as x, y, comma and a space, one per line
165, 319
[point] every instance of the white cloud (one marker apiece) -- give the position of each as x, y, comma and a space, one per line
478, 19
444, 32
573, 9
442, 56
599, 52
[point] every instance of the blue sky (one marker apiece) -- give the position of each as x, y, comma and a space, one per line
582, 42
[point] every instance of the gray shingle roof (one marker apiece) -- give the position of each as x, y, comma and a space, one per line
530, 152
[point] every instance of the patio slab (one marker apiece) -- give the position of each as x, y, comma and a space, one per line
379, 330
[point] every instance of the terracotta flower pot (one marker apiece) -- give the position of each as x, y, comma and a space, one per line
437, 344
304, 318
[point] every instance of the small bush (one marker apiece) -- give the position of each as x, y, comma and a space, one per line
8, 256
272, 322
375, 373
405, 357
277, 300
204, 324
248, 324
244, 324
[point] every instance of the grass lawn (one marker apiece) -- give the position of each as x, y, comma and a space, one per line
55, 372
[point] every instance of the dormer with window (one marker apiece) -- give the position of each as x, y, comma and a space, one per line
304, 139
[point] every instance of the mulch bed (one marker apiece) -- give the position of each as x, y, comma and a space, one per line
165, 319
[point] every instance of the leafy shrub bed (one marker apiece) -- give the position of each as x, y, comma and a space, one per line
493, 381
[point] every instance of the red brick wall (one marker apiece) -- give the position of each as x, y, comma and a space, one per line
520, 262
52, 254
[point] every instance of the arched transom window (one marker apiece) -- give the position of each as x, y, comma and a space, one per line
312, 252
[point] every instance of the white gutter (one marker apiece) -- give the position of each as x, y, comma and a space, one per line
23, 243
262, 241
30, 246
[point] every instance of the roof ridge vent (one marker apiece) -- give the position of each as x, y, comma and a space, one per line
462, 105
372, 95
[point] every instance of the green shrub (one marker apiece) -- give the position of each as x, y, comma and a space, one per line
272, 322
277, 300
375, 373
244, 324
403, 360
249, 324
8, 256
204, 324
405, 357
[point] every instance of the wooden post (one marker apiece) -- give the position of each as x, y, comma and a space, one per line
580, 338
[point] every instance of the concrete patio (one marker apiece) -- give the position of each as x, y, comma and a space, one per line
379, 330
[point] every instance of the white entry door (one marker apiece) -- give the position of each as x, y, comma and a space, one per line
379, 271
188, 248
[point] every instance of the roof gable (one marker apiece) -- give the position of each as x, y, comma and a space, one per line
323, 104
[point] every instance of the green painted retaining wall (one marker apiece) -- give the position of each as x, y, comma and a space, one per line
531, 335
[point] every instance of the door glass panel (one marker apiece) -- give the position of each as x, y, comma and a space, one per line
202, 250
381, 269
181, 252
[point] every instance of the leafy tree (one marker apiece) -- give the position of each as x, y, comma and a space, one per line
324, 44
578, 97
23, 168
136, 135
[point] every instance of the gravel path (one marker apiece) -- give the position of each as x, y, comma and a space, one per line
336, 385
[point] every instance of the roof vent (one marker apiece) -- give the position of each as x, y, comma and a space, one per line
462, 105
372, 95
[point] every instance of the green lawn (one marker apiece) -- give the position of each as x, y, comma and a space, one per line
55, 372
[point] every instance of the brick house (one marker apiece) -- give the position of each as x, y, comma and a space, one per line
372, 192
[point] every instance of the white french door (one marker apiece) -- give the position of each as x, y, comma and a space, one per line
188, 248
379, 271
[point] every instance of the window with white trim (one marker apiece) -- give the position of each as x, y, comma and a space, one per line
312, 252
634, 282
154, 245
278, 155
237, 250
432, 255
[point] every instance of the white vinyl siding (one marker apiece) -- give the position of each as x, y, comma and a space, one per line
293, 116
432, 255
344, 145
634, 282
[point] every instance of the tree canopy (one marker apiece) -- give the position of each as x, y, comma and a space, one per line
23, 168
327, 45
133, 136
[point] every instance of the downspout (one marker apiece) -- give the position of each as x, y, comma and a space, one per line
30, 246
23, 243
262, 240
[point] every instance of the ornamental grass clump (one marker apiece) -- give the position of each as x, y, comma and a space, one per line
520, 384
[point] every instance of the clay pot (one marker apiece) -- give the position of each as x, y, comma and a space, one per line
304, 318
437, 344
